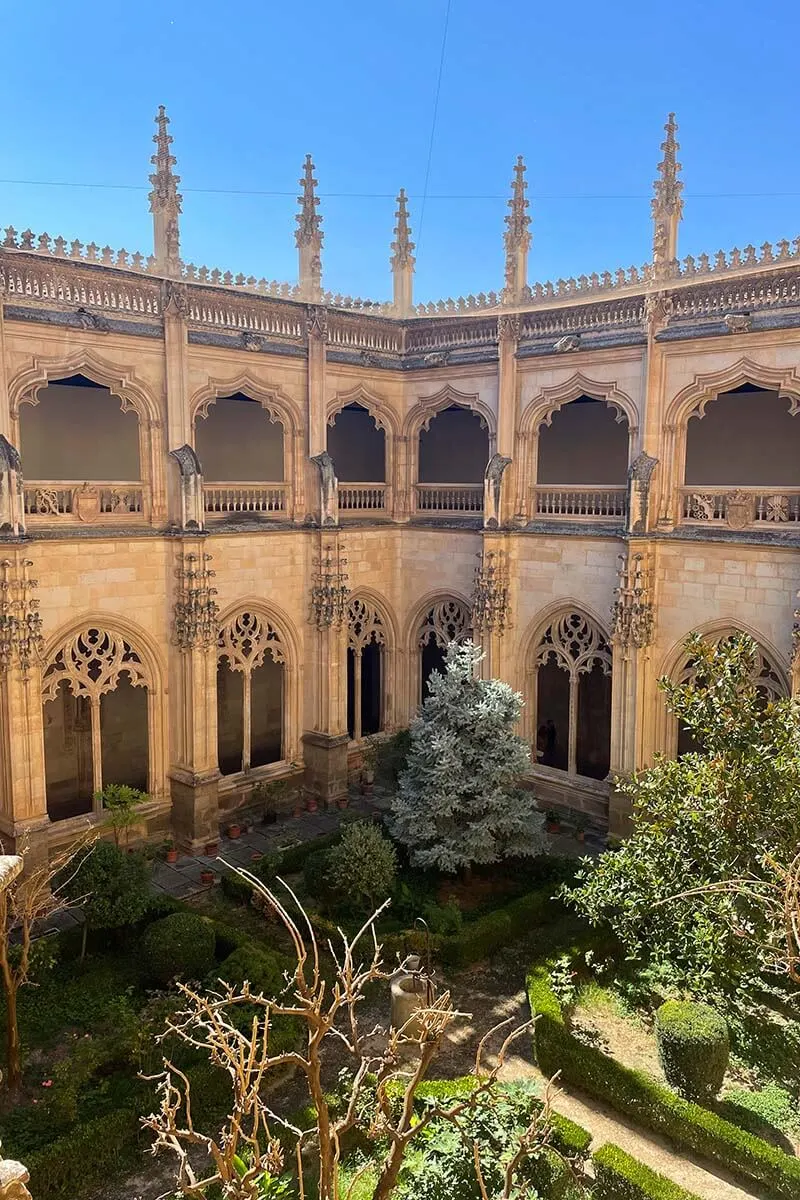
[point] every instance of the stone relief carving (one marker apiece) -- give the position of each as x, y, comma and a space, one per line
21, 637
632, 615
196, 610
490, 606
91, 662
91, 320
570, 341
448, 621
493, 478
253, 343
364, 624
246, 639
640, 474
327, 482
738, 322
329, 591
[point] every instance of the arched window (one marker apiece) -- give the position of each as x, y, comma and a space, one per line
766, 677
584, 444
79, 431
454, 447
366, 642
96, 693
238, 440
449, 620
250, 694
571, 667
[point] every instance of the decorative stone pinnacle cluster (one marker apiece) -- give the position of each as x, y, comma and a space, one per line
402, 246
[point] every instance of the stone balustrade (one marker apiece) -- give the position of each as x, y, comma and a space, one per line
68, 501
222, 500
450, 498
740, 507
362, 497
580, 503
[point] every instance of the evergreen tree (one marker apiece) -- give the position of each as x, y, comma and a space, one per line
458, 802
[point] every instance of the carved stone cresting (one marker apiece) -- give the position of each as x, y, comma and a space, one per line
490, 595
196, 610
91, 663
329, 513
570, 341
329, 590
632, 615
493, 479
20, 621
640, 474
447, 621
12, 505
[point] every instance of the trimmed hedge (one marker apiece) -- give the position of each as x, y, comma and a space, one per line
86, 1157
620, 1177
477, 939
693, 1048
650, 1103
181, 945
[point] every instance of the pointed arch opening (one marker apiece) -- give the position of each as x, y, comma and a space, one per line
569, 694
445, 620
245, 450
251, 693
367, 643
584, 443
357, 445
99, 714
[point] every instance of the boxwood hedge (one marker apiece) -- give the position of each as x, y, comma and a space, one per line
619, 1177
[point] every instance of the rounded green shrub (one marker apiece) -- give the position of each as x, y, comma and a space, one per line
179, 946
362, 868
258, 967
693, 1048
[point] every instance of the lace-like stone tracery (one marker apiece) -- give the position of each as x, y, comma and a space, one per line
448, 621
91, 663
576, 643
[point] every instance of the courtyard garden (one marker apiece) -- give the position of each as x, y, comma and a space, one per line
622, 1027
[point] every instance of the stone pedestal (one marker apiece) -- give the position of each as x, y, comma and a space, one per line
195, 810
325, 759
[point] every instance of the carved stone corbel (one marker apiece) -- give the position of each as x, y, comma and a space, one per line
328, 503
492, 482
191, 487
12, 502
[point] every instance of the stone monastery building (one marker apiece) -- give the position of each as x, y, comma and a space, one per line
241, 520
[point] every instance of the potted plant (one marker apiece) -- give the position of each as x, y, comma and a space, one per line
121, 802
581, 825
211, 849
274, 796
369, 759
170, 851
207, 877
234, 831
552, 819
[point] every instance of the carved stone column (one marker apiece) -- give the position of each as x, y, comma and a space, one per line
508, 333
194, 777
632, 619
325, 745
23, 797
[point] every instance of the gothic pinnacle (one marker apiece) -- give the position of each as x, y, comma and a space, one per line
517, 237
165, 200
667, 206
308, 219
402, 246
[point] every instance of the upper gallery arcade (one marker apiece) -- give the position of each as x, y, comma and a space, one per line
576, 474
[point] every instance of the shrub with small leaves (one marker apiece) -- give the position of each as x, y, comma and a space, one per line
179, 946
693, 1048
362, 867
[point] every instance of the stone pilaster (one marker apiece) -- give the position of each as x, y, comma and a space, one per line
508, 333
194, 776
325, 745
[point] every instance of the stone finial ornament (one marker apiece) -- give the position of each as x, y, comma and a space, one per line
667, 205
517, 237
165, 200
402, 260
308, 234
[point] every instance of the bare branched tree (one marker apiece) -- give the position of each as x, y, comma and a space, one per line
388, 1068
29, 900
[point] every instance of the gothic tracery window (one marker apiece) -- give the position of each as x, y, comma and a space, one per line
449, 620
571, 665
250, 693
95, 692
366, 639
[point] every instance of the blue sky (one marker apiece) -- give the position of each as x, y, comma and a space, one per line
581, 90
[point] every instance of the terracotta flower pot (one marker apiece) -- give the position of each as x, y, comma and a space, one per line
234, 831
256, 856
343, 803
211, 849
172, 856
206, 878
311, 804
553, 826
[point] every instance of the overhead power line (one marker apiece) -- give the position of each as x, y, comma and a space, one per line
433, 125
137, 187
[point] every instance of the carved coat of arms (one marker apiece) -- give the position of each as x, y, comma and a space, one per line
739, 510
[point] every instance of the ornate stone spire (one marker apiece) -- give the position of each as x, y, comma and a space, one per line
165, 200
517, 237
402, 260
309, 235
667, 205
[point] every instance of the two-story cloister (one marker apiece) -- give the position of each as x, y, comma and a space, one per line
241, 521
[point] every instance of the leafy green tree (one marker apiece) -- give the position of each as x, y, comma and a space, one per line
113, 886
122, 803
361, 868
458, 801
685, 891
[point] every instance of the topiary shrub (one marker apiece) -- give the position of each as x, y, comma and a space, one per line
260, 968
362, 868
693, 1048
179, 946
